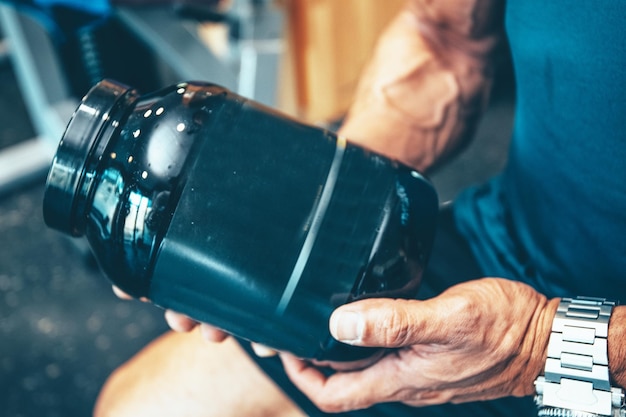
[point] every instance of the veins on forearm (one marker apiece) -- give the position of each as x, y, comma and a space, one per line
462, 38
429, 80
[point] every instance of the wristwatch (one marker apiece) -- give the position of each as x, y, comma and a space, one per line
576, 376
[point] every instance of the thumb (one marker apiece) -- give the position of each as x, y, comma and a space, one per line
386, 323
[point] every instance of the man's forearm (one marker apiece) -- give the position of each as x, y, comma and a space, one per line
617, 346
429, 79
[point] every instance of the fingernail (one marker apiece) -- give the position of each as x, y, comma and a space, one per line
347, 327
171, 320
263, 351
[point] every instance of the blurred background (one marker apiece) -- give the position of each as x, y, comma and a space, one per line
62, 331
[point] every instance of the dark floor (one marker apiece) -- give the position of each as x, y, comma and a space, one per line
61, 329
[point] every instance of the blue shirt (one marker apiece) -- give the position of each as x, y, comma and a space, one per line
556, 216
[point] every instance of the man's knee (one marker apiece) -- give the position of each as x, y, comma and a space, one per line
181, 374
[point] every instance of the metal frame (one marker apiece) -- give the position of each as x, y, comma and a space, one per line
45, 94
252, 70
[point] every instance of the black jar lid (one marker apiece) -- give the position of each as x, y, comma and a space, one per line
80, 148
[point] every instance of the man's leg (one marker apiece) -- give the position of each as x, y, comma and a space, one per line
184, 375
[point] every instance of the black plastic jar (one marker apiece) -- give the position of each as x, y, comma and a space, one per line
222, 209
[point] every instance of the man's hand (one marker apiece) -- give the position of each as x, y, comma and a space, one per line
181, 323
478, 340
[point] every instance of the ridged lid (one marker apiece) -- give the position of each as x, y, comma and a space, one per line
80, 147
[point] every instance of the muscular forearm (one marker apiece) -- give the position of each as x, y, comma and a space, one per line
617, 346
428, 81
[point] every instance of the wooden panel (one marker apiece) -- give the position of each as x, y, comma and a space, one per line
329, 43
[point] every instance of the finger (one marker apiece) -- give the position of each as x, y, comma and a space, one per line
263, 351
121, 294
179, 322
212, 334
343, 391
124, 296
391, 323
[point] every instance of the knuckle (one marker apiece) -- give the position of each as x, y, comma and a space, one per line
395, 328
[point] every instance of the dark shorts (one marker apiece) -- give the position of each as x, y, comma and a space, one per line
451, 262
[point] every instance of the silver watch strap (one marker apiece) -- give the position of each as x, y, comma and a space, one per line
576, 371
